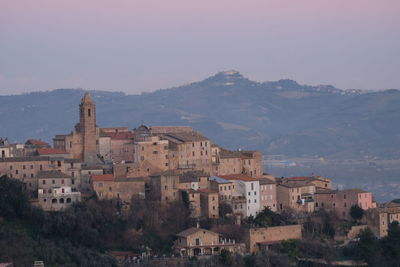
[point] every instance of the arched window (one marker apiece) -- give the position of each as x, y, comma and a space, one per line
68, 200
89, 112
61, 200
54, 200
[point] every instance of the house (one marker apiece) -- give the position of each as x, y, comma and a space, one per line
260, 239
248, 187
325, 199
378, 219
345, 199
297, 195
202, 242
164, 187
225, 188
209, 203
55, 192
124, 189
267, 194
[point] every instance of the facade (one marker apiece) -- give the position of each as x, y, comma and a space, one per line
267, 194
82, 143
209, 203
295, 195
26, 169
345, 199
124, 189
194, 203
164, 187
259, 239
325, 199
225, 162
378, 219
191, 150
154, 151
225, 188
55, 191
202, 242
248, 187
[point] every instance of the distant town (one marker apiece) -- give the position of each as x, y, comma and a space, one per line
229, 204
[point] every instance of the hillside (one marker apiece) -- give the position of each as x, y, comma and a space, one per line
281, 117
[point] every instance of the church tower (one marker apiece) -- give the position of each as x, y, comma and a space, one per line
87, 127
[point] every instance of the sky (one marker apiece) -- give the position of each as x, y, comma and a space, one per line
143, 45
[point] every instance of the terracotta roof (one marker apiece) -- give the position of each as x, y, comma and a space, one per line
36, 142
295, 184
185, 137
355, 190
240, 176
299, 178
103, 177
192, 231
22, 159
50, 151
208, 191
264, 181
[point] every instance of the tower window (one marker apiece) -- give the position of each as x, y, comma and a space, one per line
89, 112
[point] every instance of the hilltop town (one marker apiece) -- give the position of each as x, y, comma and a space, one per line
204, 200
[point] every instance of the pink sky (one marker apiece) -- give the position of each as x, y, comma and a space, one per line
143, 45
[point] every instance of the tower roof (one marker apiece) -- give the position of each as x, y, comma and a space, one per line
87, 99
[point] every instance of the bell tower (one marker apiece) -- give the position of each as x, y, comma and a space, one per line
87, 127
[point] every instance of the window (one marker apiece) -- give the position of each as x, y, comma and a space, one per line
10, 167
23, 167
193, 153
43, 181
32, 175
40, 167
142, 158
110, 189
62, 181
53, 181
155, 152
24, 175
31, 167
142, 148
100, 184
49, 191
16, 171
54, 200
89, 112
59, 163
62, 190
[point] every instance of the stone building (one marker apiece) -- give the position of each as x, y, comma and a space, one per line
153, 151
325, 199
194, 203
191, 150
295, 195
259, 239
225, 188
225, 162
116, 145
202, 242
345, 199
55, 191
209, 203
124, 189
378, 219
267, 194
164, 187
82, 142
26, 169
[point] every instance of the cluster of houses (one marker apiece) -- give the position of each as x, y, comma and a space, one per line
168, 164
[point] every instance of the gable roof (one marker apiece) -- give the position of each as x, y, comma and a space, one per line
36, 142
193, 230
219, 180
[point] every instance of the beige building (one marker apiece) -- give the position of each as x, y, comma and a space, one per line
226, 162
267, 194
325, 199
259, 239
153, 151
191, 150
209, 203
83, 141
124, 189
164, 187
202, 242
295, 195
194, 203
345, 199
379, 219
55, 191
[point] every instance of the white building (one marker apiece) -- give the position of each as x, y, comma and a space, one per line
247, 187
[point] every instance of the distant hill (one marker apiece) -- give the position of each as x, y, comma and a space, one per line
281, 117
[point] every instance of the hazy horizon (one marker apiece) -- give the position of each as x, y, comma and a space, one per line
141, 46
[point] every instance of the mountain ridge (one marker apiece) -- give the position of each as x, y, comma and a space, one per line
278, 117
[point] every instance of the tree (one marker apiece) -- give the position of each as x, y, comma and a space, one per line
368, 247
356, 212
224, 210
391, 243
225, 257
14, 201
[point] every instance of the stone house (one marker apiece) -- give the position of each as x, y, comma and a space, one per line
259, 239
295, 195
154, 151
164, 187
325, 199
345, 199
55, 192
225, 188
209, 203
267, 194
378, 219
124, 189
202, 242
